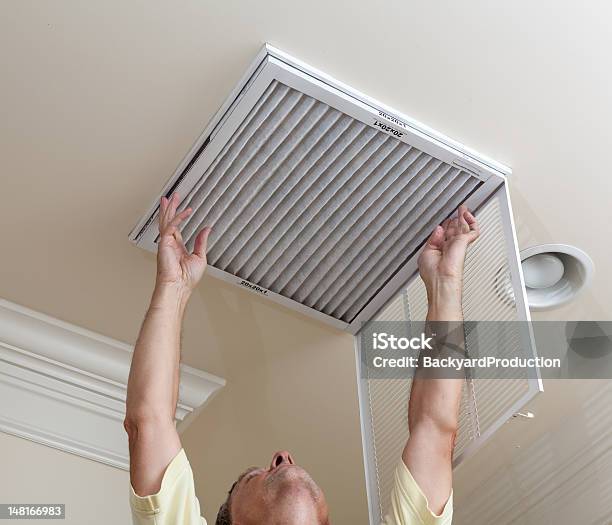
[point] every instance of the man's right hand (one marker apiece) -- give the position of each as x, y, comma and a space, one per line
441, 263
175, 265
443, 256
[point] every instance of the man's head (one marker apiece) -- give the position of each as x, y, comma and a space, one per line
283, 493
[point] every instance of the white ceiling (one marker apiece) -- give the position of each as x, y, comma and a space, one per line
555, 468
100, 101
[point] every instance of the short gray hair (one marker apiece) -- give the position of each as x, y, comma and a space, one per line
224, 516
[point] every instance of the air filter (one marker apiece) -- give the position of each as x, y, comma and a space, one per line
319, 196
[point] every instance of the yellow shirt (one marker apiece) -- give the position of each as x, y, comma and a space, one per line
409, 505
177, 504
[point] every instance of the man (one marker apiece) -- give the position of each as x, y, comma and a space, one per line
282, 493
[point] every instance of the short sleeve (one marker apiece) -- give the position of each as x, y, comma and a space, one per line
175, 502
409, 505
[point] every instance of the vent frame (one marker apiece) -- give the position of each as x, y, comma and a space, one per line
272, 64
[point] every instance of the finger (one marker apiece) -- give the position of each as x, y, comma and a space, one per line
171, 232
470, 219
173, 205
178, 237
167, 232
463, 224
453, 229
436, 238
169, 209
201, 242
474, 232
446, 225
163, 206
181, 217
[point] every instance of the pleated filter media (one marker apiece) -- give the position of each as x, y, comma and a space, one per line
318, 207
316, 199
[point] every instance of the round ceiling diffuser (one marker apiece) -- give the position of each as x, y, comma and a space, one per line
554, 274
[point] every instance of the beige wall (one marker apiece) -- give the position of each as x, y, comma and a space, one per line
291, 384
94, 494
555, 468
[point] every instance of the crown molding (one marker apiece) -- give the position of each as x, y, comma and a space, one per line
65, 387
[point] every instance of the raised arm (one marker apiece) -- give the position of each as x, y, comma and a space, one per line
154, 375
434, 402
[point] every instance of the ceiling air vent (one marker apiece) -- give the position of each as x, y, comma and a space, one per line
319, 196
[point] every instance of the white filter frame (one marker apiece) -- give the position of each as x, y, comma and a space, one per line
272, 64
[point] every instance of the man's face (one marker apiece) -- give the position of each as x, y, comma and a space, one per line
282, 493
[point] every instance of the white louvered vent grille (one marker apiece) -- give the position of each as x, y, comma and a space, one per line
484, 401
317, 206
